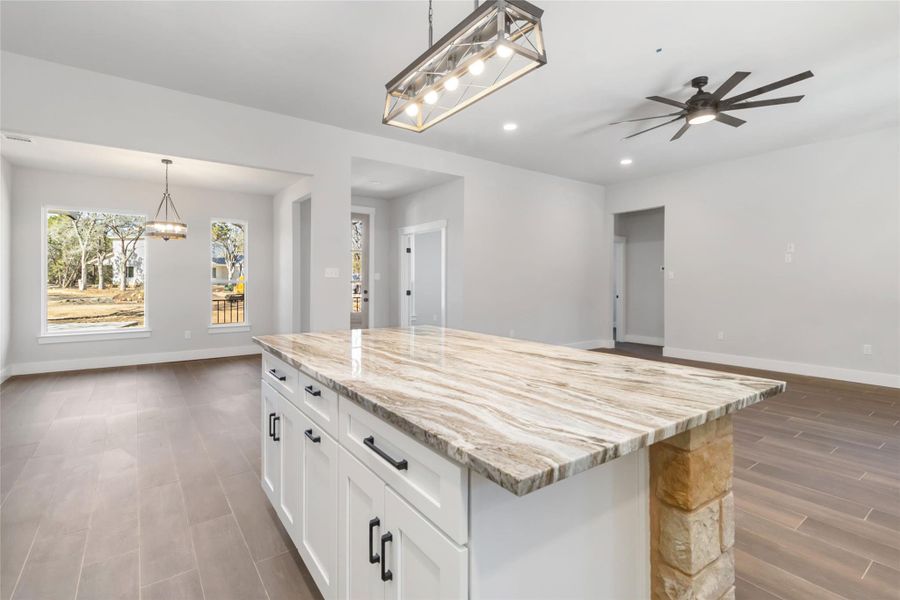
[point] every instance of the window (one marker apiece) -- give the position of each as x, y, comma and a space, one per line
228, 272
356, 274
95, 271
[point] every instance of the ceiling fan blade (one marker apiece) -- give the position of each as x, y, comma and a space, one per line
649, 118
729, 120
758, 103
730, 84
667, 101
681, 131
771, 86
652, 128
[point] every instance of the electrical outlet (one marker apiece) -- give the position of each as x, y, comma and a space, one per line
512, 333
867, 348
721, 335
788, 257
790, 247
187, 334
332, 272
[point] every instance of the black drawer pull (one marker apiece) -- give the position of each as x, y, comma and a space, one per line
275, 429
315, 439
312, 391
400, 465
373, 558
275, 374
271, 425
386, 574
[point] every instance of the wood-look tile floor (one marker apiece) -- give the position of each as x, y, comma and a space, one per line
142, 482
816, 488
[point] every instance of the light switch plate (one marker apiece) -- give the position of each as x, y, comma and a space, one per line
332, 272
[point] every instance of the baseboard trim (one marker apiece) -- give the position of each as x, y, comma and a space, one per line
105, 362
591, 344
643, 339
5, 373
783, 366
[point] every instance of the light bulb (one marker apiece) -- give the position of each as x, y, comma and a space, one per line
477, 67
703, 115
504, 51
412, 109
451, 84
431, 97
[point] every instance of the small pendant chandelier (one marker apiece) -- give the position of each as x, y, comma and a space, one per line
166, 229
499, 42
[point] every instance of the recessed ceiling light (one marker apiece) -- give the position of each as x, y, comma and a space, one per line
510, 127
625, 162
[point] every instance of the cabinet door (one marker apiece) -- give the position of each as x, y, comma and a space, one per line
424, 564
270, 467
291, 428
360, 525
319, 506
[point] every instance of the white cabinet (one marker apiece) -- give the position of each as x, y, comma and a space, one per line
389, 550
423, 563
271, 453
361, 514
290, 426
319, 506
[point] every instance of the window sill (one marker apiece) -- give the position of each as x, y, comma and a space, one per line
217, 329
92, 336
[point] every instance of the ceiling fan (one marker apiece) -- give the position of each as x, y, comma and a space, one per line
704, 107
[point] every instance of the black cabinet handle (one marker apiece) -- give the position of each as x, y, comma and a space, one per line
312, 391
271, 425
373, 558
275, 429
315, 439
386, 574
400, 465
275, 374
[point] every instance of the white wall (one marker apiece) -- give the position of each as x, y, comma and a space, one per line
644, 281
549, 225
5, 264
285, 256
178, 289
728, 227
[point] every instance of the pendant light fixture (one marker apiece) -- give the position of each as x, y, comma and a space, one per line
166, 228
499, 42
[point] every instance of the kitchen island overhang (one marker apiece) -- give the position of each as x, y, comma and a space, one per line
526, 416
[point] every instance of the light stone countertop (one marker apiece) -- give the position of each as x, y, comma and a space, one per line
523, 414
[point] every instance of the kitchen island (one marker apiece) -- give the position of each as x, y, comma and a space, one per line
436, 463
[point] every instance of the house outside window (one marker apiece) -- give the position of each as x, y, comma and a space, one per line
94, 271
228, 272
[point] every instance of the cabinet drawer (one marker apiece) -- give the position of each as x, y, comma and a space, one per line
280, 375
319, 403
435, 485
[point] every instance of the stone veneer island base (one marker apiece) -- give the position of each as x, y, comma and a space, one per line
431, 462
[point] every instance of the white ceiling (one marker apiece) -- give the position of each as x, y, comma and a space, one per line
329, 61
75, 157
377, 179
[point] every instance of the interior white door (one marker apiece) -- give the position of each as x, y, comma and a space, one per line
420, 561
619, 291
290, 434
319, 506
271, 454
361, 518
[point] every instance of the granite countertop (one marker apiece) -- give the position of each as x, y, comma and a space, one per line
523, 414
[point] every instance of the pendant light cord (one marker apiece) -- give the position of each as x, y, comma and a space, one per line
430, 24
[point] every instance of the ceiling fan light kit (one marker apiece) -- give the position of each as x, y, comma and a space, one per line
704, 106
499, 42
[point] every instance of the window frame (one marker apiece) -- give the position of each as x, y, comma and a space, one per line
45, 336
217, 328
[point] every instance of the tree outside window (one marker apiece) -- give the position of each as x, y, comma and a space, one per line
86, 252
228, 272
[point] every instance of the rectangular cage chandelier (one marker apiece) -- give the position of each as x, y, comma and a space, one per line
499, 42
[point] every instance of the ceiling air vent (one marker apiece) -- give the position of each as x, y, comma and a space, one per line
17, 138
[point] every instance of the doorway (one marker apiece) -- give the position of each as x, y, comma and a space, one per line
639, 278
423, 274
360, 266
